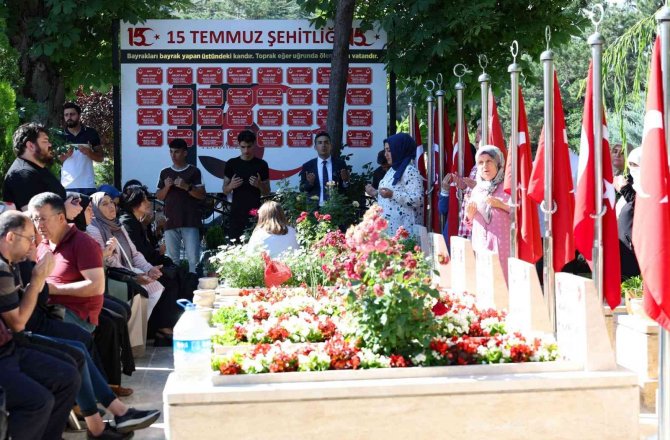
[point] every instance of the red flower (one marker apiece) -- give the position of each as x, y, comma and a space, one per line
283, 362
230, 367
278, 333
253, 212
326, 217
397, 361
303, 216
439, 308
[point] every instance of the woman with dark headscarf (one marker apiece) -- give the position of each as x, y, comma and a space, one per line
400, 192
487, 211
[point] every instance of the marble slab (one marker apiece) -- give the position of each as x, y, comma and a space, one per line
463, 276
491, 285
441, 261
528, 311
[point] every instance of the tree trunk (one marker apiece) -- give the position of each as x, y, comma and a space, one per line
338, 73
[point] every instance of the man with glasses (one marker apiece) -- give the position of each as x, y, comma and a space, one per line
29, 174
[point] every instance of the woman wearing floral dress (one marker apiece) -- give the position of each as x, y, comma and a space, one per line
400, 192
487, 212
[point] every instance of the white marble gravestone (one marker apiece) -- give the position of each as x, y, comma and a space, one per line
528, 311
581, 332
441, 262
421, 234
491, 286
463, 276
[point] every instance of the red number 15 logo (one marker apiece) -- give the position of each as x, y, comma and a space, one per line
138, 36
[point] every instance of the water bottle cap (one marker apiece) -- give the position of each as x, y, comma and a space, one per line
186, 304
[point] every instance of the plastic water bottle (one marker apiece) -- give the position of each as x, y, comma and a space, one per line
192, 344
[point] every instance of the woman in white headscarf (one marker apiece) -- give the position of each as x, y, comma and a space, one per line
625, 210
487, 212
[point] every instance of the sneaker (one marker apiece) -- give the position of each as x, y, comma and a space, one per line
109, 434
135, 419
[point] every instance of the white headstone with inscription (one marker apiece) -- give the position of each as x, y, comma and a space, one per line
421, 234
528, 311
581, 332
463, 277
491, 286
441, 261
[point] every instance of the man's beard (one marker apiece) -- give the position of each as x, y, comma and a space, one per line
46, 158
70, 123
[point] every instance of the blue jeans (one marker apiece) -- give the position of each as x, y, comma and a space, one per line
191, 239
94, 386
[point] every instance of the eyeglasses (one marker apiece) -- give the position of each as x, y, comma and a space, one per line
27, 237
42, 219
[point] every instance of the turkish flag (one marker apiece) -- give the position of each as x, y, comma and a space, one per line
561, 221
585, 203
651, 223
468, 162
496, 137
528, 226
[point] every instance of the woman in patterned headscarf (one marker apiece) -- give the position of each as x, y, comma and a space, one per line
487, 210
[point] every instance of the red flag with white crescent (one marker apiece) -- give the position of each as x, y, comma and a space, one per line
496, 136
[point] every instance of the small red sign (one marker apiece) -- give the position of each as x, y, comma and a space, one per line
210, 117
210, 75
321, 117
180, 116
150, 138
359, 118
180, 75
300, 118
212, 138
240, 117
359, 96
323, 75
359, 138
180, 97
359, 75
299, 75
239, 75
270, 96
270, 138
269, 75
187, 135
241, 97
149, 97
149, 76
322, 96
231, 138
149, 116
299, 96
270, 117
299, 138
210, 97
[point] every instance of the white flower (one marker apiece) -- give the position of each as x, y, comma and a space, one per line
356, 204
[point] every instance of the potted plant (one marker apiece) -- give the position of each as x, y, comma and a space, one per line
633, 295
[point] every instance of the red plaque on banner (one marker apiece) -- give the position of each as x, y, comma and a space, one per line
300, 117
321, 116
187, 135
269, 75
323, 75
210, 117
239, 75
241, 97
299, 138
359, 138
359, 75
359, 118
150, 138
359, 96
210, 138
270, 138
322, 96
240, 117
149, 97
210, 97
149, 76
299, 96
180, 97
180, 75
210, 75
231, 138
270, 117
270, 96
149, 116
299, 75
180, 116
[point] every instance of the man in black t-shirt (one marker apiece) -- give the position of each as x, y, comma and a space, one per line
29, 175
247, 178
181, 187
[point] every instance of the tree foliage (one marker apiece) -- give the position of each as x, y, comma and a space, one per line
242, 9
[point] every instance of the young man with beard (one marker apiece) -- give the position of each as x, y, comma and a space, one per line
77, 172
29, 175
316, 173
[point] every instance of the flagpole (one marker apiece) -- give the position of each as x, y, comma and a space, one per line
440, 134
484, 81
429, 154
513, 155
596, 41
460, 124
663, 404
547, 59
411, 115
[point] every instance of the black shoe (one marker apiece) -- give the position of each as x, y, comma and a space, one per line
109, 433
135, 419
162, 340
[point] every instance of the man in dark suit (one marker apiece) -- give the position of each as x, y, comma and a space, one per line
316, 173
